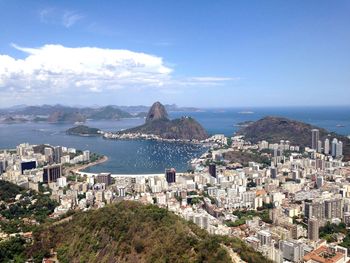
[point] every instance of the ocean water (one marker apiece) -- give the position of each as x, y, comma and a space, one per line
136, 157
224, 120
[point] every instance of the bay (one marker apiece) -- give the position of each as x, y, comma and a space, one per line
142, 157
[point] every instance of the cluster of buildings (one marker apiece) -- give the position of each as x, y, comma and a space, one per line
333, 148
29, 165
299, 192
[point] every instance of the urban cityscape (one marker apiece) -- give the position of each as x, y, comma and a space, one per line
174, 131
284, 210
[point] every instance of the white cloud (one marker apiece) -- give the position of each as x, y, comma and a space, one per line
69, 18
45, 14
53, 71
59, 68
56, 16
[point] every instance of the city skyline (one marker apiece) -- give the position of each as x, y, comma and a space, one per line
223, 54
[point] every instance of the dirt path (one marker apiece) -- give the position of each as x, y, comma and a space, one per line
234, 256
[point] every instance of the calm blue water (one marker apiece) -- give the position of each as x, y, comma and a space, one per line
223, 120
154, 157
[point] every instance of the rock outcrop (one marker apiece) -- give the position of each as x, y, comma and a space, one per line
157, 123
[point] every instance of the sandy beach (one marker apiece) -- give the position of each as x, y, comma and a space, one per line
82, 167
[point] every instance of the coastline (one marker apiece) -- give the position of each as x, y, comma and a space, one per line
84, 166
146, 137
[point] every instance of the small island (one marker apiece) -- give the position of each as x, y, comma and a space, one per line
244, 124
83, 130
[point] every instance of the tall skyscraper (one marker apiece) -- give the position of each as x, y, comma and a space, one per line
313, 229
334, 147
212, 169
333, 208
339, 151
273, 172
48, 154
315, 134
57, 154
315, 209
319, 146
326, 146
170, 175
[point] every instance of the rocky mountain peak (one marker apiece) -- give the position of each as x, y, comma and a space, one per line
157, 112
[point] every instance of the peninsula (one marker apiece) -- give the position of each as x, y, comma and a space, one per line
159, 125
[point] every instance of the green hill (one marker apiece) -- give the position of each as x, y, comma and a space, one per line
83, 130
274, 129
132, 232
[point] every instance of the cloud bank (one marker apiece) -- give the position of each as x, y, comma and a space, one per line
57, 67
65, 71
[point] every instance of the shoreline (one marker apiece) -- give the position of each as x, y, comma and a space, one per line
84, 166
148, 137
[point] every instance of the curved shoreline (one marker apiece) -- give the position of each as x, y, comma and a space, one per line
82, 167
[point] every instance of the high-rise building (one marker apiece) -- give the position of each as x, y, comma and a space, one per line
320, 164
52, 173
212, 169
319, 181
315, 137
290, 250
264, 237
339, 151
104, 178
334, 147
86, 155
313, 229
326, 146
48, 154
27, 165
333, 208
1, 168
170, 175
319, 146
315, 209
273, 172
57, 154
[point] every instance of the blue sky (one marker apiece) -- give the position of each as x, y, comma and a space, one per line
192, 53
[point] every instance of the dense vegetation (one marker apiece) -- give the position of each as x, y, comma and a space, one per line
30, 205
244, 157
8, 191
12, 250
244, 215
132, 232
329, 231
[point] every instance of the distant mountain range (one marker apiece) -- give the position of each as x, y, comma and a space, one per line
60, 113
158, 123
274, 129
